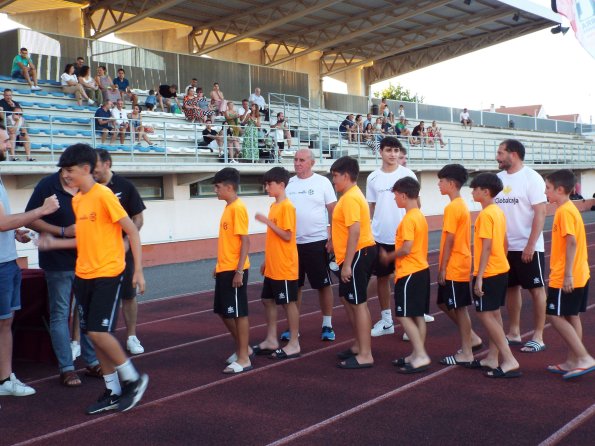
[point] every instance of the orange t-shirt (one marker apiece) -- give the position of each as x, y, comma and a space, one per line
491, 224
233, 224
281, 257
413, 227
457, 221
99, 243
568, 221
351, 208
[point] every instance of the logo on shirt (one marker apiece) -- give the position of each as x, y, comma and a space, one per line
230, 310
92, 217
310, 191
224, 226
450, 302
555, 227
507, 190
511, 200
119, 195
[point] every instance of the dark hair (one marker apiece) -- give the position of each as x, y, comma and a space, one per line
489, 181
78, 155
563, 178
151, 92
348, 165
68, 67
84, 71
391, 141
454, 172
24, 49
174, 86
122, 70
514, 145
7, 90
80, 58
2, 126
278, 175
408, 186
103, 68
228, 175
195, 79
104, 156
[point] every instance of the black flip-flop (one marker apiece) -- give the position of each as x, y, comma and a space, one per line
345, 354
452, 360
499, 373
280, 354
408, 369
400, 362
477, 347
259, 351
510, 342
476, 364
352, 363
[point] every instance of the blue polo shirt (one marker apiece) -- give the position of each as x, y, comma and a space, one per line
121, 83
103, 114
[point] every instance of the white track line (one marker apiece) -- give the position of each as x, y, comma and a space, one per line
569, 427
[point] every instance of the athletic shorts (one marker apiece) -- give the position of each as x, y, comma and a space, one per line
127, 291
313, 261
98, 301
17, 74
356, 290
527, 275
283, 291
10, 288
412, 294
560, 303
494, 289
20, 142
454, 294
380, 269
230, 302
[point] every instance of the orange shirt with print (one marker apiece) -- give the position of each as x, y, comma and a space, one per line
99, 243
281, 257
457, 221
491, 224
568, 221
413, 227
351, 208
233, 224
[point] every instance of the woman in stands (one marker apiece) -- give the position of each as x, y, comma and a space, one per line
370, 138
250, 143
359, 128
206, 110
190, 106
436, 133
233, 140
136, 124
218, 100
70, 84
106, 85
384, 110
89, 84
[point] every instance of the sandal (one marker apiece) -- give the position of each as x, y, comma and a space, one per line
94, 372
70, 379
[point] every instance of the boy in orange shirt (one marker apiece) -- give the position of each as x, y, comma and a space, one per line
490, 271
231, 270
355, 251
280, 268
569, 275
454, 266
412, 275
99, 270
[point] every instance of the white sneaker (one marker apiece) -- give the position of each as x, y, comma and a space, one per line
91, 102
381, 328
428, 318
35, 88
76, 349
133, 345
14, 387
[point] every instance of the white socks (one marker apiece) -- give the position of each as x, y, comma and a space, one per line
326, 321
387, 316
127, 371
113, 383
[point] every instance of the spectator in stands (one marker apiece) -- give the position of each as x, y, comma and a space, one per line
256, 98
233, 134
280, 131
418, 135
151, 101
193, 84
386, 127
70, 84
15, 123
124, 87
243, 112
7, 104
211, 138
136, 125
370, 138
23, 68
359, 127
190, 105
392, 124
103, 120
108, 89
347, 128
403, 131
250, 142
78, 65
218, 100
465, 118
378, 130
368, 120
435, 133
120, 121
384, 110
401, 111
206, 109
89, 84
169, 93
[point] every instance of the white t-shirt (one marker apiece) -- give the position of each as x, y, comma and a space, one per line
13, 123
65, 77
387, 215
258, 100
120, 116
522, 190
310, 196
464, 116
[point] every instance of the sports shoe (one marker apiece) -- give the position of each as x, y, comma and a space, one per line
14, 387
132, 392
133, 345
381, 328
285, 336
35, 88
428, 318
76, 349
107, 401
90, 102
328, 334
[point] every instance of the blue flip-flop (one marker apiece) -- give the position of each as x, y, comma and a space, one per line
574, 373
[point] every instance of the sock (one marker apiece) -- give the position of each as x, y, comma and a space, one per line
113, 383
127, 371
326, 321
2, 381
387, 316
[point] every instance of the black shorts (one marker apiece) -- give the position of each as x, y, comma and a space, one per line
560, 303
20, 142
494, 289
412, 294
98, 301
356, 290
527, 275
313, 261
283, 291
127, 291
454, 294
380, 269
230, 302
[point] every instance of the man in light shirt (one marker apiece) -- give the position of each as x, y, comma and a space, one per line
120, 121
256, 98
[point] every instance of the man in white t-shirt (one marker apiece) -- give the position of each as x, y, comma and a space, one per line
256, 98
386, 217
120, 121
465, 118
524, 204
314, 199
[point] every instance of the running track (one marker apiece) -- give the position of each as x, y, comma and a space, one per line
308, 401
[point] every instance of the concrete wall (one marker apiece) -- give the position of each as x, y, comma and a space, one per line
66, 21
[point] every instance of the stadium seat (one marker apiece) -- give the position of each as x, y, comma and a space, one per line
61, 106
57, 94
28, 104
81, 120
41, 93
34, 131
5, 78
19, 91
63, 119
77, 107
36, 146
68, 132
142, 149
86, 133
42, 105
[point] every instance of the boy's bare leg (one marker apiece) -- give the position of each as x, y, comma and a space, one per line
362, 325
464, 324
539, 302
575, 345
130, 312
109, 351
415, 327
452, 315
355, 348
5, 348
495, 330
514, 304
242, 328
325, 298
270, 312
293, 319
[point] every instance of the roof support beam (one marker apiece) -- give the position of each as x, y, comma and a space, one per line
5, 3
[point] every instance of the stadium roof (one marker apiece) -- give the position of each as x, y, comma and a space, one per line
389, 37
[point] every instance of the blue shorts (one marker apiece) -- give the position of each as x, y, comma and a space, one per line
10, 289
17, 74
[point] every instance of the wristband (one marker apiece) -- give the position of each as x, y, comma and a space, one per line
240, 272
62, 232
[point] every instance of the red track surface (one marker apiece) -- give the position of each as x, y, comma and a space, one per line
308, 400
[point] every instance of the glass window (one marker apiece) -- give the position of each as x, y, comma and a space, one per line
149, 188
249, 185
